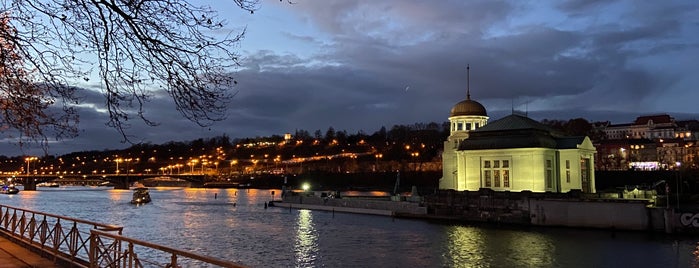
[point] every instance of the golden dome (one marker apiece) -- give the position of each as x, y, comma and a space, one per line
468, 107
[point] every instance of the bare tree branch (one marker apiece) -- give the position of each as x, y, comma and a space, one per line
134, 48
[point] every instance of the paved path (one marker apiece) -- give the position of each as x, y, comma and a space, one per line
13, 255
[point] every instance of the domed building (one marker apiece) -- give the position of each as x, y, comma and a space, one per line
465, 116
514, 153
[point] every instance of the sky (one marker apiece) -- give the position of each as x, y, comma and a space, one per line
358, 65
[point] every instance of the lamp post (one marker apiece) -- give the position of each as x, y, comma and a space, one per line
117, 164
29, 159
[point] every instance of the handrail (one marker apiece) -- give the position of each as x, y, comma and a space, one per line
63, 238
96, 224
104, 255
83, 243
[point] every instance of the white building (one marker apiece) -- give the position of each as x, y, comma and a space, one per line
514, 153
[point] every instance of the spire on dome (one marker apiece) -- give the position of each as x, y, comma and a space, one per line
468, 81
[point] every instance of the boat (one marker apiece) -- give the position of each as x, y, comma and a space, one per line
140, 196
8, 189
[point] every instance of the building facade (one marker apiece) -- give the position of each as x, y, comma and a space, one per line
514, 153
653, 142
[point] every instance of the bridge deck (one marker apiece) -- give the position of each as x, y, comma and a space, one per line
13, 255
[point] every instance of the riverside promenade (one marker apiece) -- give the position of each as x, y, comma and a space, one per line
13, 255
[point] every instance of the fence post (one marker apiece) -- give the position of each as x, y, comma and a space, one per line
93, 250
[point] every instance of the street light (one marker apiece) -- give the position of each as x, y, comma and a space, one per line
29, 159
117, 164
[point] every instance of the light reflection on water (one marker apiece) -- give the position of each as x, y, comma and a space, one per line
234, 225
306, 245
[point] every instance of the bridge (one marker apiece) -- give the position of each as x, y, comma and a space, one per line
120, 181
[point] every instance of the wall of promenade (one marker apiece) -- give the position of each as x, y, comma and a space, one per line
573, 209
354, 205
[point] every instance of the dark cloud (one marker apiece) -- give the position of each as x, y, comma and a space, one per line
369, 64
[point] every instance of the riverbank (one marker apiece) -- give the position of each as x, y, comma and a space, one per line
575, 209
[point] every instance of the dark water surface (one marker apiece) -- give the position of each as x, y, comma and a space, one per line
235, 226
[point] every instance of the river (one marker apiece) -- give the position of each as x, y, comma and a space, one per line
233, 224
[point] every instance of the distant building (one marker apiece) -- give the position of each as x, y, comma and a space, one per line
661, 126
514, 153
651, 142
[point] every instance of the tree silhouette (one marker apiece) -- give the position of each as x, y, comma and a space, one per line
132, 48
26, 105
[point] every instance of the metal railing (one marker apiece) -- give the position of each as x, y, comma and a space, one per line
81, 243
113, 250
62, 238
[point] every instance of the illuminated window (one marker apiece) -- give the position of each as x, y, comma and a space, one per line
486, 174
496, 178
496, 173
506, 178
549, 174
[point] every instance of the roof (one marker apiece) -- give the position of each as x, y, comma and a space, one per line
514, 122
468, 107
516, 131
657, 119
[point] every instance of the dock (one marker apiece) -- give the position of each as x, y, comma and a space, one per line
13, 255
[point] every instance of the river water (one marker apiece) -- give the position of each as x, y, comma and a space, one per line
234, 225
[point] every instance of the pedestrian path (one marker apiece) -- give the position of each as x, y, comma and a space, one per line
13, 255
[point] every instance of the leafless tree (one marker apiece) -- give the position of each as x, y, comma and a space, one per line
133, 47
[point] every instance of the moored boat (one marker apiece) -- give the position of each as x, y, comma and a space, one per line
8, 189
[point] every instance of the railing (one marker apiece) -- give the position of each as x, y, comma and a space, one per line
113, 250
60, 237
81, 243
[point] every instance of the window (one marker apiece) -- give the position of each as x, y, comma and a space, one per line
486, 174
459, 126
568, 171
506, 178
496, 173
496, 178
549, 174
468, 126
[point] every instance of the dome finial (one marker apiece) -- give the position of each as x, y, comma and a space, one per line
468, 81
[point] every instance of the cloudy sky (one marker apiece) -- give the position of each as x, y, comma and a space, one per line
360, 65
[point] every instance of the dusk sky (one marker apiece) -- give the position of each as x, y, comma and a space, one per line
360, 65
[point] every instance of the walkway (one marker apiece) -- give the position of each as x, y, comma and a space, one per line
13, 255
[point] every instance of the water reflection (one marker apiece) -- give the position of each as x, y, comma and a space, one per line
306, 245
233, 224
465, 246
530, 249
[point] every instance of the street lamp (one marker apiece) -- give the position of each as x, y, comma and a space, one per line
117, 164
29, 159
